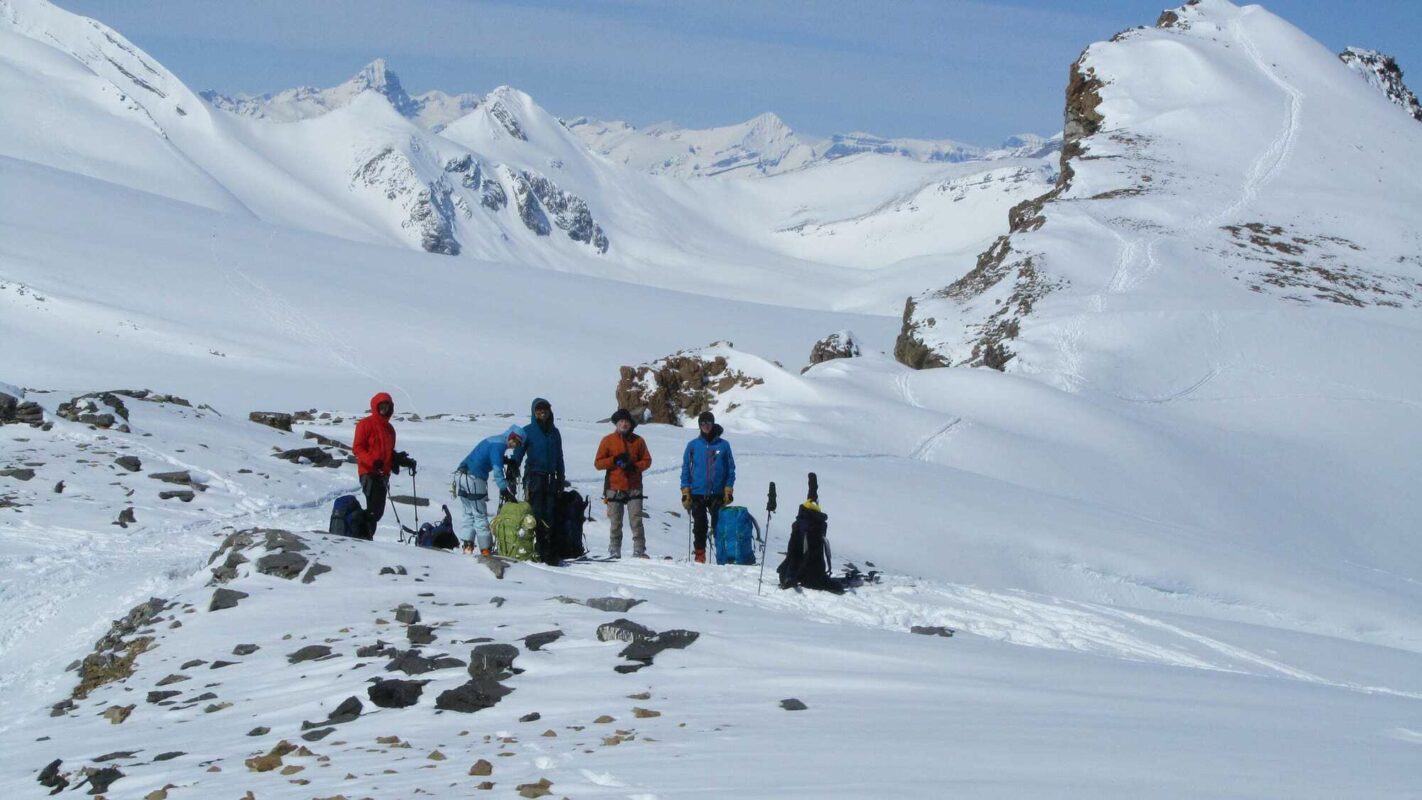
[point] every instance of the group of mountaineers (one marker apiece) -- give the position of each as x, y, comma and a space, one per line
534, 453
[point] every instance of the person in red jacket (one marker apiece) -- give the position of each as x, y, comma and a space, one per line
625, 456
376, 457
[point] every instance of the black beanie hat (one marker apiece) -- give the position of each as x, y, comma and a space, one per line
706, 416
621, 414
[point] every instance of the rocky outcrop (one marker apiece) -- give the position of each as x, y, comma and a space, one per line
1382, 73
100, 409
841, 344
542, 205
989, 345
427, 209
679, 386
15, 410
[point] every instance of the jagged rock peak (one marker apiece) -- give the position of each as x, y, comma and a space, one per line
1381, 71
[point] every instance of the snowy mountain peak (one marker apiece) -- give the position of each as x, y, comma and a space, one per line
1201, 210
1382, 73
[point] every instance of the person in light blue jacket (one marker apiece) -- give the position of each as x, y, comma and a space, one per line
708, 473
471, 485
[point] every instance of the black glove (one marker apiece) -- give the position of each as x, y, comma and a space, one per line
621, 461
378, 466
395, 468
507, 496
411, 462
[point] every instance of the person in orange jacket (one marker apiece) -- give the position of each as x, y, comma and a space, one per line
624, 455
376, 457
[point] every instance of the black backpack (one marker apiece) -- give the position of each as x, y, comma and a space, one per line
348, 518
440, 536
807, 559
565, 541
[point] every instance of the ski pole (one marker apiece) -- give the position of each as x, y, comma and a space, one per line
765, 537
415, 492
394, 509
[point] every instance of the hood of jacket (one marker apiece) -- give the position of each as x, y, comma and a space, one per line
382, 397
537, 401
514, 430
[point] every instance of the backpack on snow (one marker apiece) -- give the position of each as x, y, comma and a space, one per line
807, 559
565, 541
513, 529
348, 518
736, 534
440, 536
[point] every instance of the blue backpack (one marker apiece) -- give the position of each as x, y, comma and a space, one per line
348, 518
736, 535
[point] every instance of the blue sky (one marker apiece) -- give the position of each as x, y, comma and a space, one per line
975, 71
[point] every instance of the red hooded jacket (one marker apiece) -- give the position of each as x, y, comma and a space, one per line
375, 439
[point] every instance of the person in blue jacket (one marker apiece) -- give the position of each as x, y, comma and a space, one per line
471, 485
708, 473
543, 476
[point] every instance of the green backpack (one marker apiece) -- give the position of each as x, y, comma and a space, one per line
513, 531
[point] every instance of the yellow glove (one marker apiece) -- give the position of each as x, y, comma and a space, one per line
729, 495
686, 498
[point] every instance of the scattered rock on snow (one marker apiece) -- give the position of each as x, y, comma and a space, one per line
126, 517
481, 768
420, 634
472, 696
18, 473
620, 605
792, 704
101, 779
411, 662
395, 693
407, 614
130, 463
536, 641
177, 494
622, 630
117, 714
282, 565
931, 630
308, 653
492, 660
245, 649
317, 568
272, 419
532, 716
841, 344
225, 598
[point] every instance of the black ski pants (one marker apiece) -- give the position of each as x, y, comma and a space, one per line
375, 487
704, 510
542, 492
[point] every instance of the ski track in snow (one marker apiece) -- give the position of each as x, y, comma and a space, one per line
1137, 259
1017, 618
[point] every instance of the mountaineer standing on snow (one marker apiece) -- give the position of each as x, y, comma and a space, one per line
708, 472
624, 455
374, 447
471, 486
543, 475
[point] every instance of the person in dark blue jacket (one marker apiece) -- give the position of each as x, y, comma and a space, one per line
543, 476
471, 485
708, 473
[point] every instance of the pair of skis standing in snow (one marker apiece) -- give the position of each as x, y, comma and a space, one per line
707, 485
